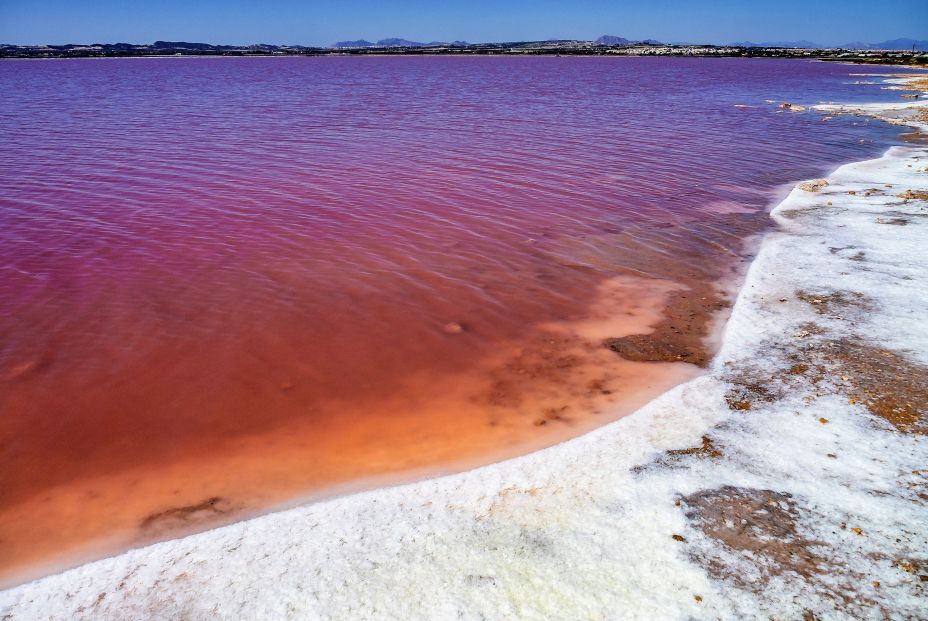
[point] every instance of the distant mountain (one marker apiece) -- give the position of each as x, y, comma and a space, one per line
614, 40
184, 45
794, 44
611, 40
446, 44
358, 43
857, 45
892, 44
399, 43
394, 42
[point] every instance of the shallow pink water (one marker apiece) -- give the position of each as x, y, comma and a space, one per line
234, 277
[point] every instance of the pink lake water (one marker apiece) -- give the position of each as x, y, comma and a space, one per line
230, 284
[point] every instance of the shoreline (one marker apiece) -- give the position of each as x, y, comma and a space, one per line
906, 61
528, 505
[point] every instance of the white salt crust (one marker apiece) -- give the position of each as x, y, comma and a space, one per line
583, 530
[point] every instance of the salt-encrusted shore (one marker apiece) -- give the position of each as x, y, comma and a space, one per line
789, 482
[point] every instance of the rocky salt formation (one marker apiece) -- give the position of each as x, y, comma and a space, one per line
791, 481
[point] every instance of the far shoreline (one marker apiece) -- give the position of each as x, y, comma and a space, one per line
165, 49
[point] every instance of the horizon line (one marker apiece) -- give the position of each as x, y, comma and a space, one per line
462, 42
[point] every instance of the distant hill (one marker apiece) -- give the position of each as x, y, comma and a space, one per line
395, 42
892, 44
358, 43
184, 45
399, 43
793, 44
446, 44
615, 40
611, 40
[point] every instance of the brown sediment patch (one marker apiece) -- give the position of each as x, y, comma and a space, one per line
915, 137
813, 186
707, 448
679, 337
809, 328
648, 348
917, 483
916, 568
914, 195
188, 515
764, 528
747, 390
550, 360
894, 221
886, 383
830, 303
789, 214
750, 388
670, 459
759, 522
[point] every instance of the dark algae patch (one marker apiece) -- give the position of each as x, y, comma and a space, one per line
679, 337
178, 517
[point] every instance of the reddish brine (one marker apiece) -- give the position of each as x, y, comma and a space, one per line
230, 284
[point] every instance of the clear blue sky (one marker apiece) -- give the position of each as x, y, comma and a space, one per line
321, 22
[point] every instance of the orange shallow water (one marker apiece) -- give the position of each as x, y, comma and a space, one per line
555, 384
